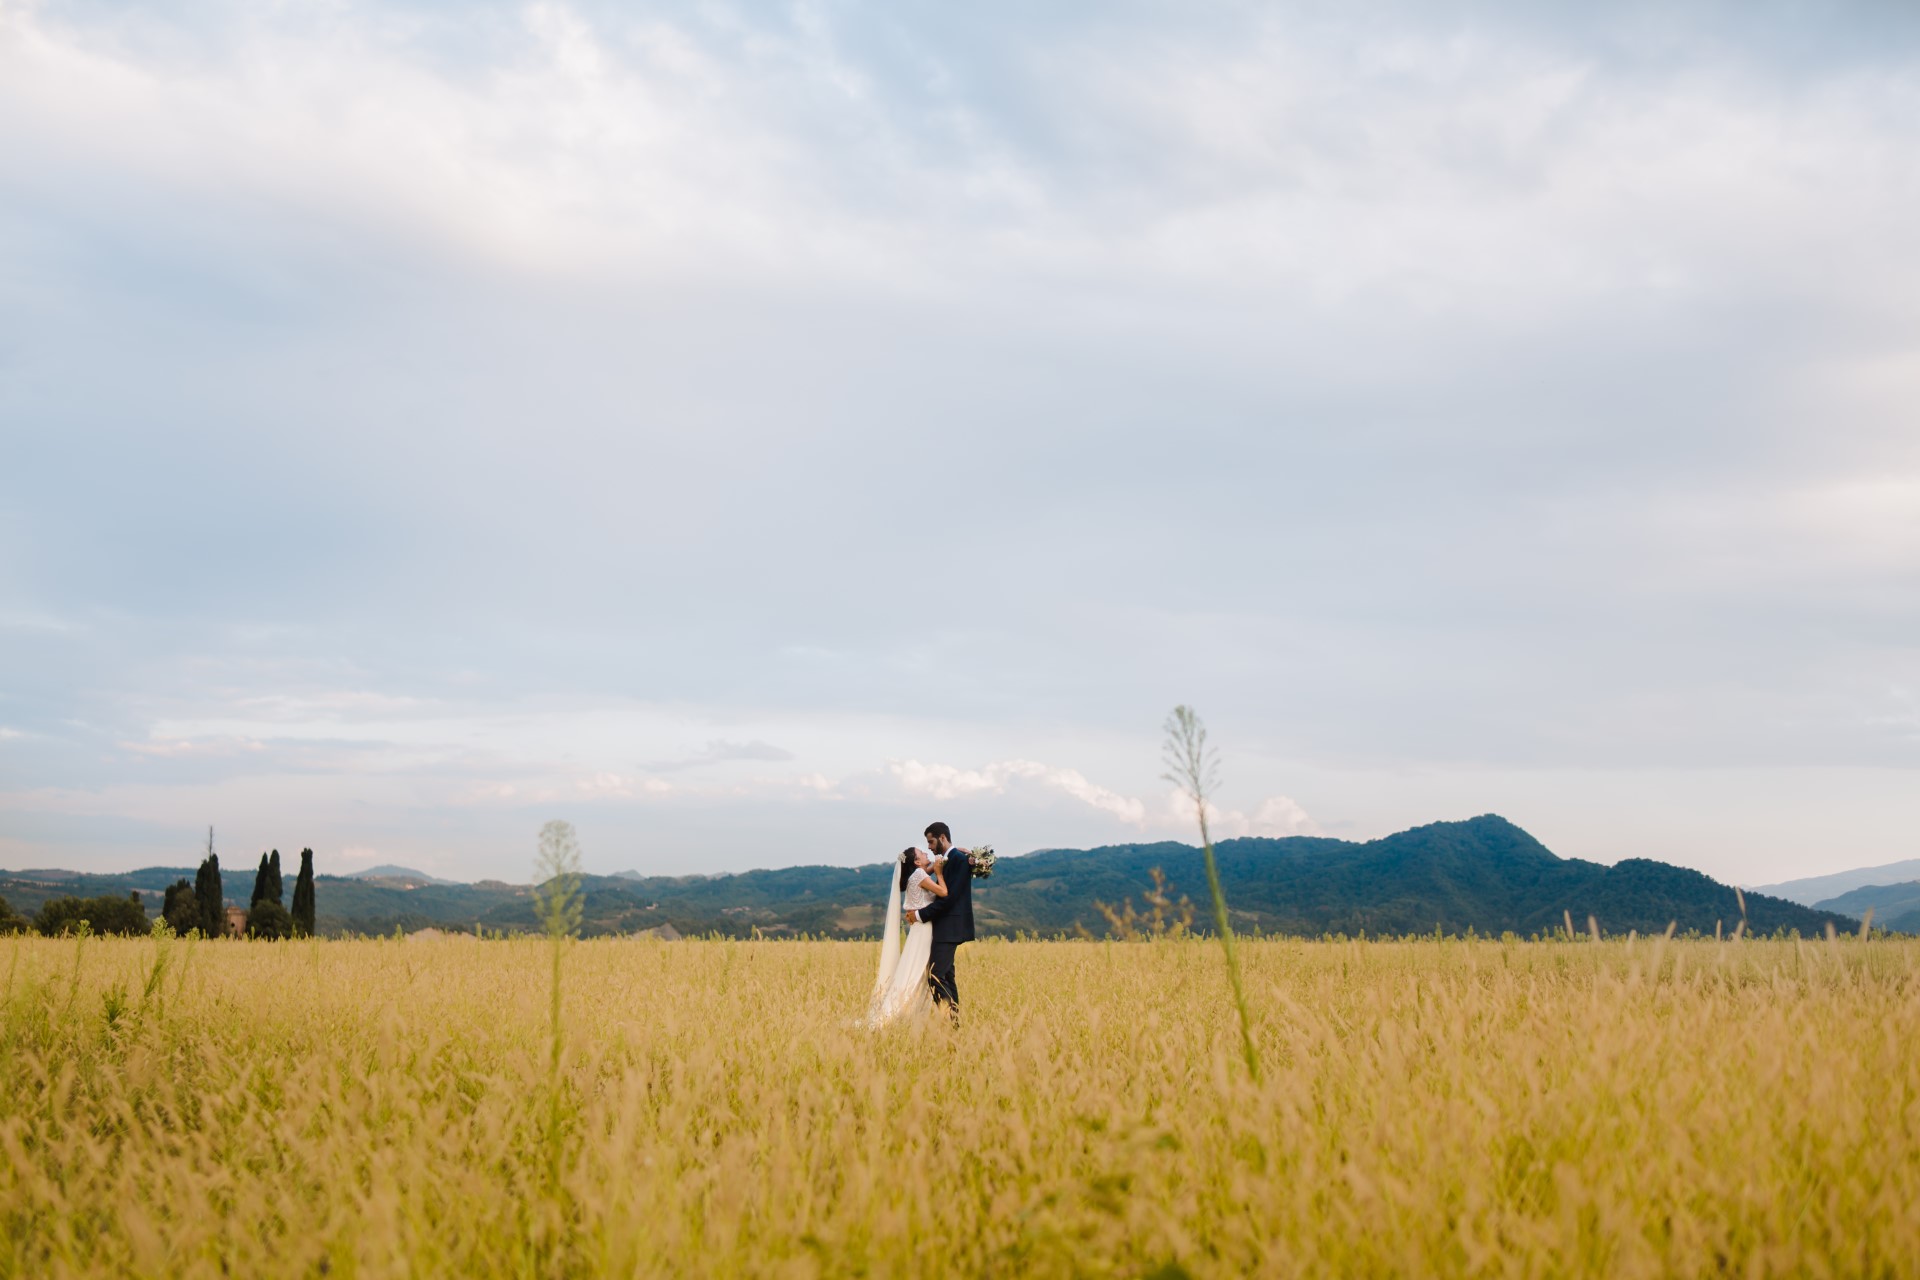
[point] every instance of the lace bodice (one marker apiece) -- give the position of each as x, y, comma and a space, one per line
917, 894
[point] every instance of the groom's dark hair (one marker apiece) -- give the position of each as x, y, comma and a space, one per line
938, 829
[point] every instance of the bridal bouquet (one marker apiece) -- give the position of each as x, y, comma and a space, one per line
981, 856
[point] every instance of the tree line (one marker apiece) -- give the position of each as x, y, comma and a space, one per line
199, 906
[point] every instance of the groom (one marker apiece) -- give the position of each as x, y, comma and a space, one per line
951, 917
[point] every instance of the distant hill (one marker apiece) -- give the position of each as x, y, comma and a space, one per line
405, 875
26, 891
1485, 874
1817, 889
1894, 906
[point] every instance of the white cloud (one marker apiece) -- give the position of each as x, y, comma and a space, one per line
720, 751
1457, 173
1872, 521
565, 146
1276, 816
1281, 816
548, 392
946, 782
202, 748
592, 788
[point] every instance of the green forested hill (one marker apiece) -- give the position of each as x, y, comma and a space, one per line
1894, 906
26, 891
1485, 874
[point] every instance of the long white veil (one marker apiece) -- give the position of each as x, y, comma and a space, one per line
889, 932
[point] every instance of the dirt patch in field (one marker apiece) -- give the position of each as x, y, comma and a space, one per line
855, 918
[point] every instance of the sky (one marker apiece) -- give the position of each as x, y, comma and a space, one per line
750, 432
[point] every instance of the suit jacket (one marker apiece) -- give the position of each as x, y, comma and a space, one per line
952, 916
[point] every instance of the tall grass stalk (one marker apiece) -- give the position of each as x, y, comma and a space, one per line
1195, 769
557, 898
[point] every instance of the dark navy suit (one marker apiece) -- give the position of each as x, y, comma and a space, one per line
952, 920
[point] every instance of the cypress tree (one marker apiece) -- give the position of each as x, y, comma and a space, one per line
273, 878
208, 892
259, 883
303, 897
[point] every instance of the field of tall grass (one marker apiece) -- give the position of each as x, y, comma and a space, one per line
386, 1108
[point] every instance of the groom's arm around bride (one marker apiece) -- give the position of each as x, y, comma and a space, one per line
956, 870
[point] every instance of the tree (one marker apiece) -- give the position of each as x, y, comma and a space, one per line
269, 919
107, 914
303, 897
266, 881
11, 923
180, 909
207, 891
56, 915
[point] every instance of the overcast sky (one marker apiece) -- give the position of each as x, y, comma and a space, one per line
750, 432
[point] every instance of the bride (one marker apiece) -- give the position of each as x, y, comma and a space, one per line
900, 991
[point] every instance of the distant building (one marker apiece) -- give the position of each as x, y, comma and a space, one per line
236, 921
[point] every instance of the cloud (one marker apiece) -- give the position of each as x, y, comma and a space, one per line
620, 786
945, 782
595, 787
511, 393
719, 751
1276, 816
1281, 816
202, 748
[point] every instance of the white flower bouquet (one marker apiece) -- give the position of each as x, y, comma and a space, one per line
981, 858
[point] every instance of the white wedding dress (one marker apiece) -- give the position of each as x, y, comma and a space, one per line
900, 991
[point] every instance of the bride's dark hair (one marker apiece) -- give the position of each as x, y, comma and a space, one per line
906, 867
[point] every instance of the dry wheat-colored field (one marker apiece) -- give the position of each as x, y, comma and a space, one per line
382, 1108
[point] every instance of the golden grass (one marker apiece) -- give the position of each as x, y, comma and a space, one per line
379, 1108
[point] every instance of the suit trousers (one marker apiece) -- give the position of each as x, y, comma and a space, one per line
940, 975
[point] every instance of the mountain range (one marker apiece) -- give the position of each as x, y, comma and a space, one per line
1818, 889
1894, 906
1484, 874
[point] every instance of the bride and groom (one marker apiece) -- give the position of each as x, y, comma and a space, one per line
933, 893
